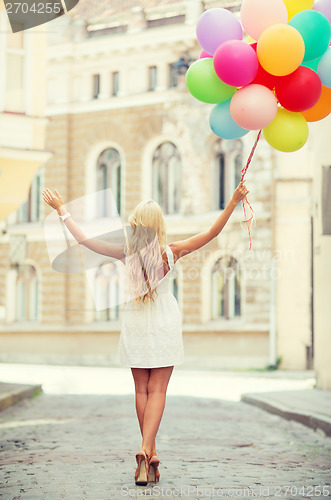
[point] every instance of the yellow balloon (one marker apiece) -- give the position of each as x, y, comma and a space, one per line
280, 49
288, 132
295, 6
250, 39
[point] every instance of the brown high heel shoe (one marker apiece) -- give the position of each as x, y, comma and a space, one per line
141, 474
153, 471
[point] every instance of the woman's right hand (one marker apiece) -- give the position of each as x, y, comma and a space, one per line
240, 192
53, 200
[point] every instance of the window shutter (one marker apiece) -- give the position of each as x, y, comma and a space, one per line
17, 247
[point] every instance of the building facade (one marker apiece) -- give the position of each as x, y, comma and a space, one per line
23, 151
120, 117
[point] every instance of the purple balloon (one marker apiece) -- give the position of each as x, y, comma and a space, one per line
216, 26
323, 6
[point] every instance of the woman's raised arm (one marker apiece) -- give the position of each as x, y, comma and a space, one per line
94, 244
184, 247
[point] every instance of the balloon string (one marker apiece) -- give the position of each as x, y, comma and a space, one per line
249, 220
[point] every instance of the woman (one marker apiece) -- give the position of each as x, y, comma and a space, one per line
151, 334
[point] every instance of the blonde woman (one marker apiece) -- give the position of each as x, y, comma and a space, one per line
151, 333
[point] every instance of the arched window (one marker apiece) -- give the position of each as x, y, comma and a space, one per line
26, 293
238, 162
29, 211
228, 163
225, 289
219, 184
109, 176
107, 292
167, 177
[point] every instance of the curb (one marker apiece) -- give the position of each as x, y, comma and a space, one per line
308, 419
11, 394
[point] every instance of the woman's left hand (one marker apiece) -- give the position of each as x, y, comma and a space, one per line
53, 200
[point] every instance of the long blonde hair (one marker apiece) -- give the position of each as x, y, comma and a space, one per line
145, 265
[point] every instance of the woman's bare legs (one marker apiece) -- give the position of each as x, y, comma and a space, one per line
156, 388
151, 387
141, 376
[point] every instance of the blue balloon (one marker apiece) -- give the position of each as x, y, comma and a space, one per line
324, 68
222, 123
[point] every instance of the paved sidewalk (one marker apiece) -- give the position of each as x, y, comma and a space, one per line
79, 447
311, 407
66, 444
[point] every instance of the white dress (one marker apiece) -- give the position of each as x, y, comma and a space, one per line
151, 333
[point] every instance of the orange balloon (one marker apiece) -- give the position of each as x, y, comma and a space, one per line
321, 109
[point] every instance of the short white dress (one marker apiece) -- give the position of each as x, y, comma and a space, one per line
151, 333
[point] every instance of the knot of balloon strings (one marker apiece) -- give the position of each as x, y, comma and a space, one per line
245, 202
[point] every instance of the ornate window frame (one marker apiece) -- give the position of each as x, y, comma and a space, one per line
91, 169
147, 167
206, 292
11, 293
230, 151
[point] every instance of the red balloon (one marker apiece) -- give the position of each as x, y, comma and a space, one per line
262, 76
299, 90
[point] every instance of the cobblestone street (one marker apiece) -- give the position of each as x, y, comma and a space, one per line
82, 447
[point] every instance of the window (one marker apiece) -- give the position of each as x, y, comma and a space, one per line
152, 78
29, 211
109, 176
107, 292
228, 163
173, 75
26, 307
165, 21
96, 86
15, 80
95, 31
115, 83
225, 289
166, 177
326, 201
220, 176
178, 70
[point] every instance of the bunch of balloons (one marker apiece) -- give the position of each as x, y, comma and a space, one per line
278, 82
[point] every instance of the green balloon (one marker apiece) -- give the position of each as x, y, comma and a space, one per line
204, 84
312, 64
315, 30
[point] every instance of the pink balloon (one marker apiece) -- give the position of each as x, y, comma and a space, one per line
253, 107
258, 15
216, 26
204, 54
235, 61
323, 6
